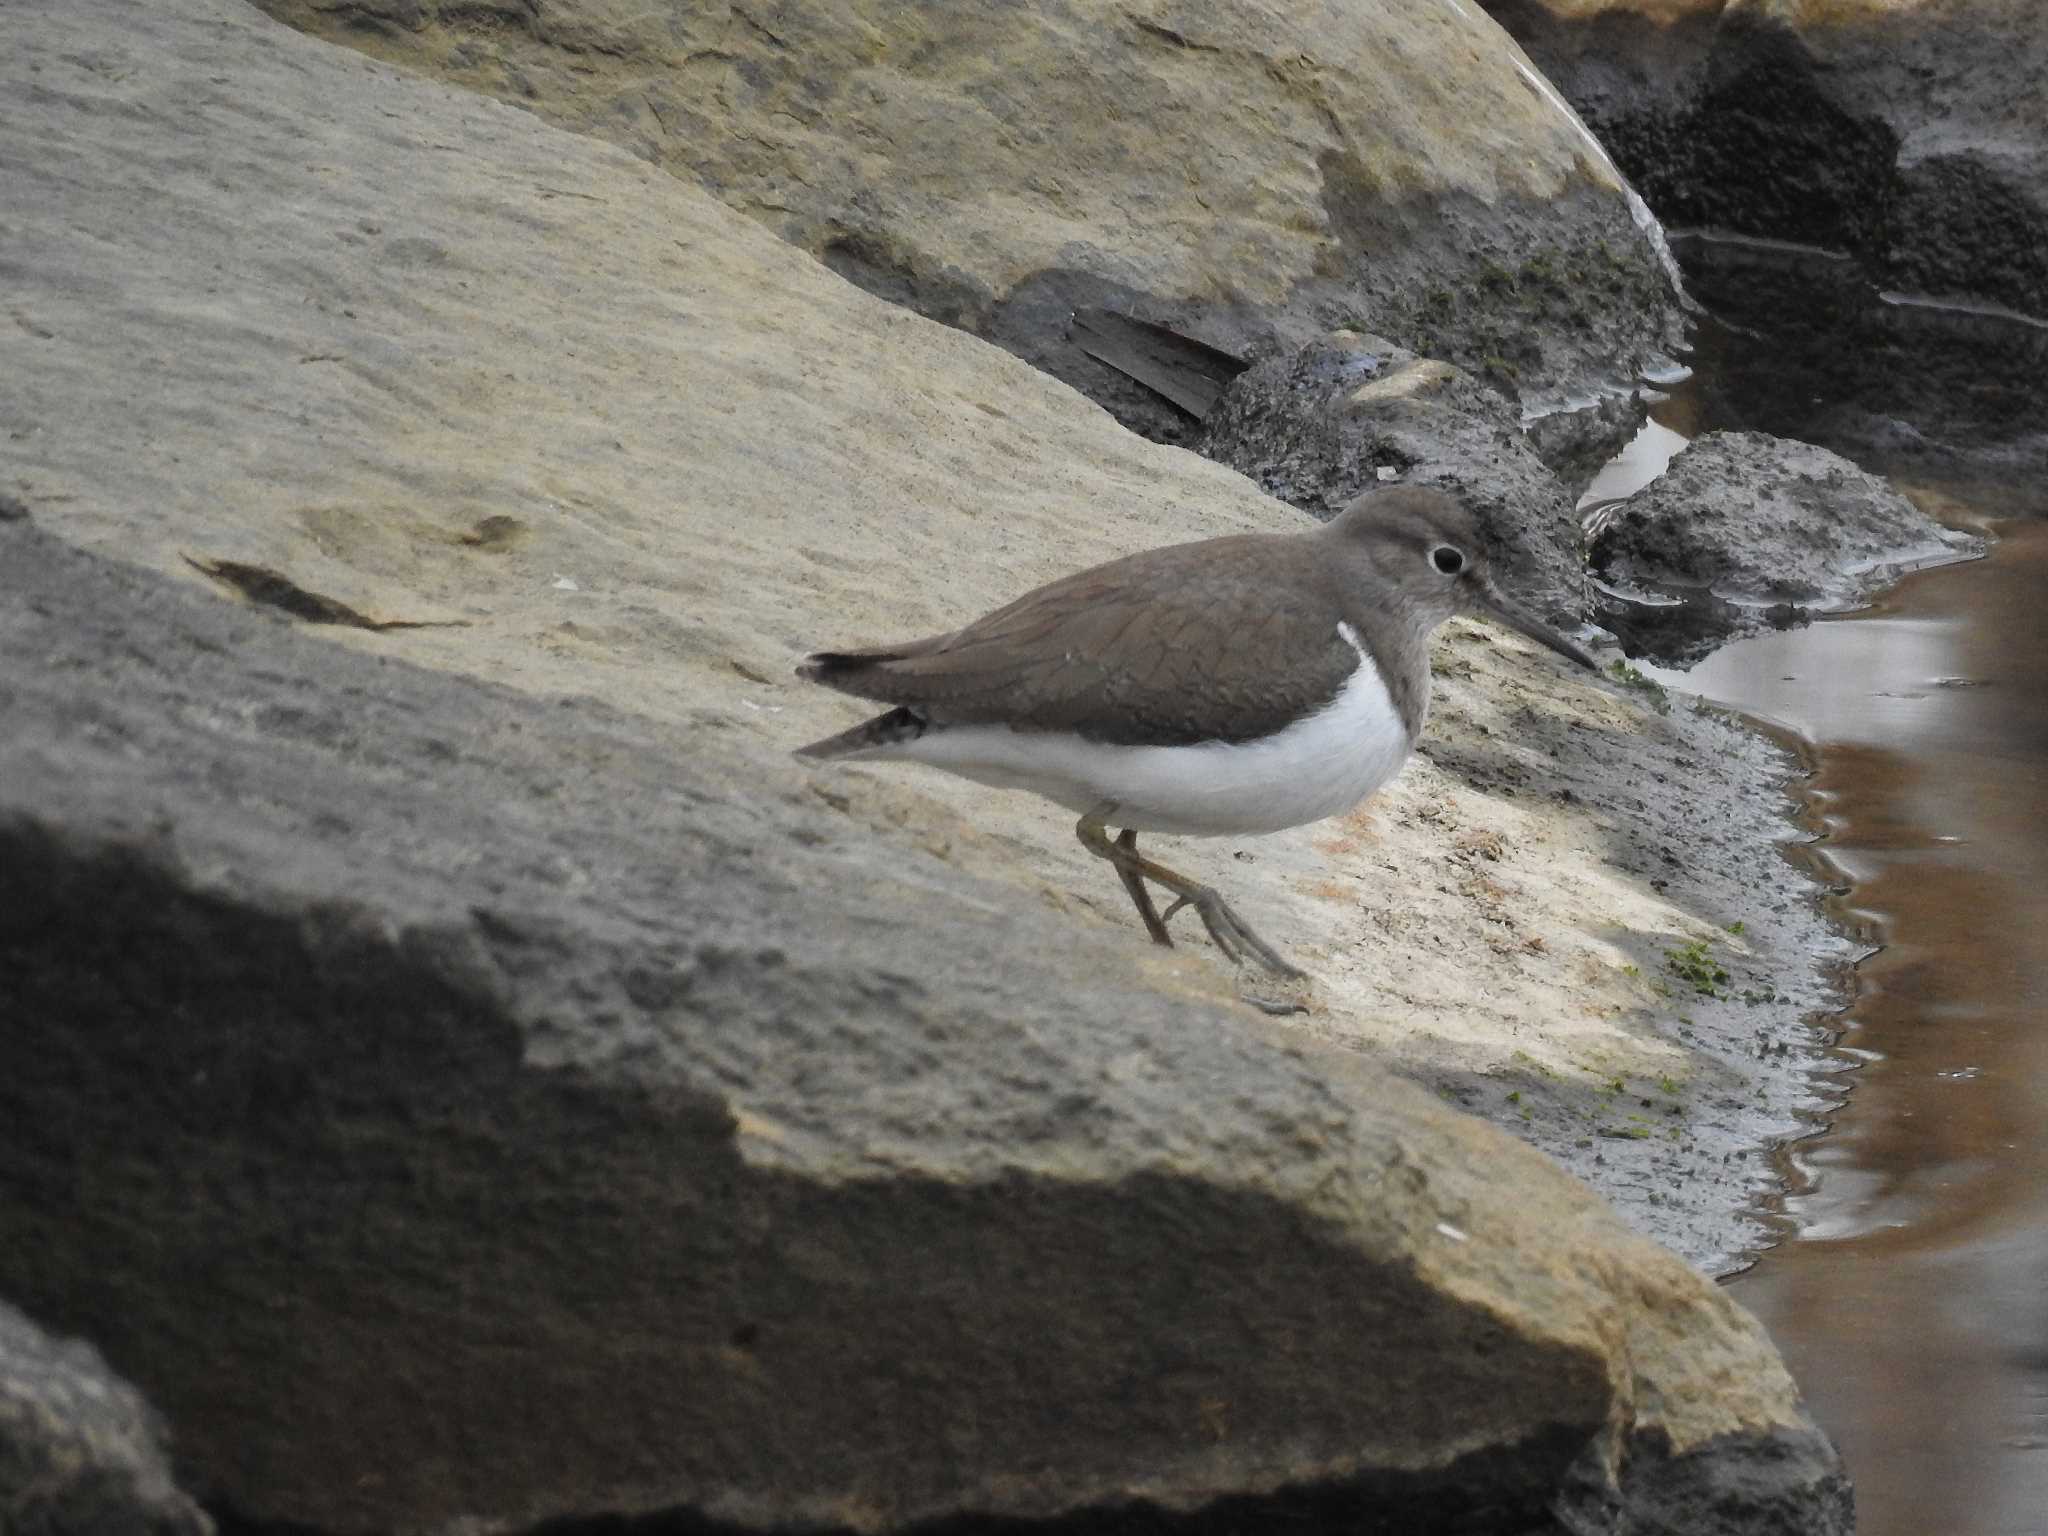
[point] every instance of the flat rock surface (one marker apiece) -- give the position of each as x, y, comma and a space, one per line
1253, 174
429, 359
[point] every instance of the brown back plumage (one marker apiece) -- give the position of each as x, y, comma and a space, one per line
1160, 648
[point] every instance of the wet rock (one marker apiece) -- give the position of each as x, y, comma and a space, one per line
490, 1117
1907, 133
1351, 411
1252, 176
1798, 342
1762, 531
81, 1453
1578, 439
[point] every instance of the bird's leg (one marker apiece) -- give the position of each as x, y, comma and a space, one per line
1230, 932
1141, 894
1123, 855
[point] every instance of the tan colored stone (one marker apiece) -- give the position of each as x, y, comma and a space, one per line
1175, 145
1418, 378
1242, 173
582, 1033
379, 333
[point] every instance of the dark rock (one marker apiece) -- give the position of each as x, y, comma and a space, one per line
1577, 441
1783, 1484
81, 1454
1759, 532
1349, 411
1797, 342
457, 1109
1911, 139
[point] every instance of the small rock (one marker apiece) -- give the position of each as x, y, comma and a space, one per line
1755, 531
81, 1453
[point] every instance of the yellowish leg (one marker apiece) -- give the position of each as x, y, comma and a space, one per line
1141, 894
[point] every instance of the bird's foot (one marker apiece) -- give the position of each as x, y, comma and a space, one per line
1279, 1005
1230, 932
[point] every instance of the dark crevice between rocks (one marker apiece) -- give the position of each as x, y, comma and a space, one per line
872, 264
1180, 369
1486, 1493
1779, 1483
1530, 297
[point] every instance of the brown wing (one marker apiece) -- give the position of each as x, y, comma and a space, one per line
1156, 649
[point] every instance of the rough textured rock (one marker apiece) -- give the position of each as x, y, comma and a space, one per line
81, 1454
431, 360
494, 1101
1774, 529
457, 1110
1577, 443
1254, 176
1351, 411
1908, 132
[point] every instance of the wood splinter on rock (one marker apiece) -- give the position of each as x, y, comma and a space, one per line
272, 589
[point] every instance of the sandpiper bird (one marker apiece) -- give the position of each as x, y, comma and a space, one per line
1234, 685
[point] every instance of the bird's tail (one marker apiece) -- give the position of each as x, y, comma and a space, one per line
892, 729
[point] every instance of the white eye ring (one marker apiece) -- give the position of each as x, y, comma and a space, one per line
1447, 559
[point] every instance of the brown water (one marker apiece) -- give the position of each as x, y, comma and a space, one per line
1911, 1300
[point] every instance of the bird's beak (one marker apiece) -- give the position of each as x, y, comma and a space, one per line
1495, 606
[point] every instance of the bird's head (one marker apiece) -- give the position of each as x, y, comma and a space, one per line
1425, 547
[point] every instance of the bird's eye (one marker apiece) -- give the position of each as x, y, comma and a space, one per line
1446, 559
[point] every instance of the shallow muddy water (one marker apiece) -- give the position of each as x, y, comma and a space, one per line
1911, 1294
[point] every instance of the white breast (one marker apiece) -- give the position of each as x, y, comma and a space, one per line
1316, 767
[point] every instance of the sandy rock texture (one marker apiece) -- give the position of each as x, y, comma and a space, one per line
461, 1109
466, 1009
80, 1451
427, 359
1908, 132
1764, 530
1350, 412
1254, 175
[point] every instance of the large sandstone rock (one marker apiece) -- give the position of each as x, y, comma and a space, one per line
80, 1451
1254, 175
460, 1101
432, 360
1907, 131
460, 1111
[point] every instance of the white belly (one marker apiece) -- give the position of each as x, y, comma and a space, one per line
1316, 767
